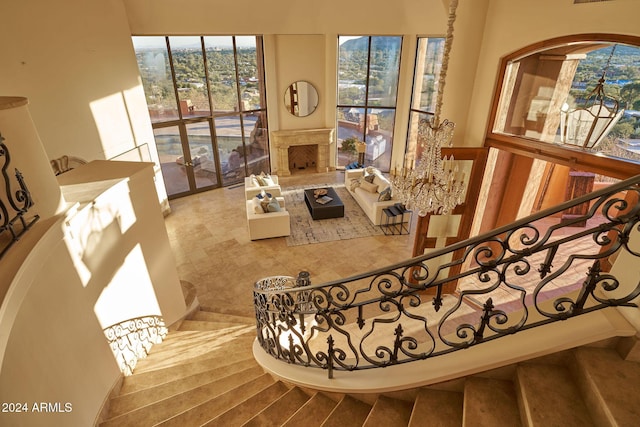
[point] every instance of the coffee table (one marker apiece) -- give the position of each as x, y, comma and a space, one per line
332, 209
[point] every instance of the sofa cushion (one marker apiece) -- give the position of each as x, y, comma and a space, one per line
355, 183
384, 195
257, 205
366, 197
382, 183
367, 186
273, 206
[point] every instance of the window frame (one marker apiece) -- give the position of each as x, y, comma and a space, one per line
561, 154
367, 107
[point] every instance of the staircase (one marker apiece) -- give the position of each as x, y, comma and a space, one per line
204, 374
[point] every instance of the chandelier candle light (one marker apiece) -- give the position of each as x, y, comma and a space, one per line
433, 185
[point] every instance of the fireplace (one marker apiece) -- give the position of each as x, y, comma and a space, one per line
302, 157
306, 148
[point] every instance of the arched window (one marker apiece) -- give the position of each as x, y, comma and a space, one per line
549, 103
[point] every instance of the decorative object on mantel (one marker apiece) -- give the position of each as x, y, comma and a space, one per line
590, 121
13, 225
66, 163
433, 184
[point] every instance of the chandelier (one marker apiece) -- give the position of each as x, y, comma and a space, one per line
432, 184
590, 121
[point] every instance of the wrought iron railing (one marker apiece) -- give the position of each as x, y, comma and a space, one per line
14, 205
471, 292
132, 339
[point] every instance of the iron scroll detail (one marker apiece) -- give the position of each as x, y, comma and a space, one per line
524, 275
14, 206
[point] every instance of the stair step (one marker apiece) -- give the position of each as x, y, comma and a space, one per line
130, 401
281, 410
206, 411
182, 344
489, 402
151, 378
609, 385
163, 409
349, 412
206, 325
388, 412
247, 409
437, 408
220, 317
313, 412
549, 397
229, 350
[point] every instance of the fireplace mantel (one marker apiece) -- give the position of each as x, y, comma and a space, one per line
283, 139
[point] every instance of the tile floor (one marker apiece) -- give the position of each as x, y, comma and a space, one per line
210, 241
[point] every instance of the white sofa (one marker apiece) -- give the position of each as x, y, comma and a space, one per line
367, 196
270, 224
252, 187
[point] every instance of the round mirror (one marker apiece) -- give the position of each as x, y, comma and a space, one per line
301, 98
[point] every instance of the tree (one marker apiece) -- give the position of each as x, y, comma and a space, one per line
630, 95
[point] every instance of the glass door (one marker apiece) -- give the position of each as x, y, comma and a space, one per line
187, 158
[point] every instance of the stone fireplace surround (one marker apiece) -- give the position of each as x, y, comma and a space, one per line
282, 140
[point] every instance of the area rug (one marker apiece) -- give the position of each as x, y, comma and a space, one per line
304, 230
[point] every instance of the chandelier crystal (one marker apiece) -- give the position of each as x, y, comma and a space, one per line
432, 184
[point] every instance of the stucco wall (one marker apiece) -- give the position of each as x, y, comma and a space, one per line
106, 260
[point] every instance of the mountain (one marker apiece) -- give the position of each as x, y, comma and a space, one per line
377, 43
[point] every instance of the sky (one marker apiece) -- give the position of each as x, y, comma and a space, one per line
192, 41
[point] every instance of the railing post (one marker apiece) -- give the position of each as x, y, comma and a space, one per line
330, 353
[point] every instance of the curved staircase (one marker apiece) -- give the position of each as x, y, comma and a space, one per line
204, 374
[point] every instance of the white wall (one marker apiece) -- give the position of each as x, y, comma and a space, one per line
74, 61
104, 262
514, 24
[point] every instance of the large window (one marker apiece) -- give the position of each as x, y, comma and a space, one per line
546, 103
425, 88
207, 105
368, 69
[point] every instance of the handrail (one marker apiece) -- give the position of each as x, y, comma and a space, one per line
403, 312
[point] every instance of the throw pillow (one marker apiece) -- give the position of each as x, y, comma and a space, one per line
367, 186
264, 202
369, 178
268, 181
254, 180
257, 205
385, 195
273, 206
381, 182
260, 180
355, 183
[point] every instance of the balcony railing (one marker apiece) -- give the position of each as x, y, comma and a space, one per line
535, 271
